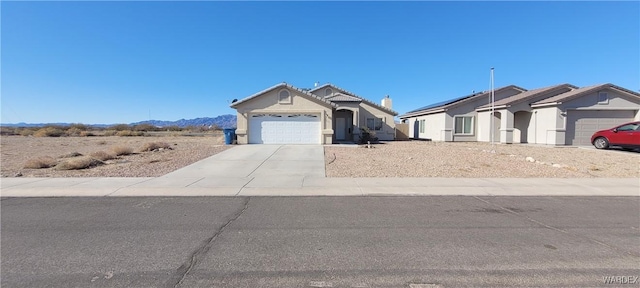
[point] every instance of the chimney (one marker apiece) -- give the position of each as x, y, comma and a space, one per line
386, 102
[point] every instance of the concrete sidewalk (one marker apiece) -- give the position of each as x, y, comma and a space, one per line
298, 170
314, 186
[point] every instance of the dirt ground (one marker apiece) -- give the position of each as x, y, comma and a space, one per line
184, 150
478, 160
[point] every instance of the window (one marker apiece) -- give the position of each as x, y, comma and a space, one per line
463, 125
284, 97
328, 92
629, 127
374, 124
603, 98
421, 126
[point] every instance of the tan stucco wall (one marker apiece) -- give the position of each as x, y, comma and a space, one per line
617, 101
389, 125
548, 124
268, 103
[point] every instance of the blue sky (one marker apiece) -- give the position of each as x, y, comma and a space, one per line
121, 62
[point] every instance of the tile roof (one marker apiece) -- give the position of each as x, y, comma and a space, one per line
528, 95
394, 113
456, 101
581, 91
283, 85
339, 97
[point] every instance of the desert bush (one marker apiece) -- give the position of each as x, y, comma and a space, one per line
145, 127
102, 155
154, 146
110, 132
122, 150
129, 133
78, 163
86, 134
172, 128
49, 132
40, 162
79, 126
120, 127
73, 131
26, 132
8, 131
71, 155
367, 135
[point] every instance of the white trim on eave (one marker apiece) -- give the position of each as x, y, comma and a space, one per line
545, 104
495, 107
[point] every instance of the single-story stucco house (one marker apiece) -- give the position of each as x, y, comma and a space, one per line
557, 115
284, 114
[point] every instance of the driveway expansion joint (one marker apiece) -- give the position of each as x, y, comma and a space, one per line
109, 194
194, 182
200, 252
265, 160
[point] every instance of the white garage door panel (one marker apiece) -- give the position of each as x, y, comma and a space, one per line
581, 124
284, 129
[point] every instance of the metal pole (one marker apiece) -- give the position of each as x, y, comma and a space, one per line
492, 108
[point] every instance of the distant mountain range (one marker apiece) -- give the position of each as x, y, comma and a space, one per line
222, 121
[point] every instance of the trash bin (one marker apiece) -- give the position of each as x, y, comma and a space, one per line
229, 135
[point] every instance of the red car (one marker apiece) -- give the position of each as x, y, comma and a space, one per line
626, 136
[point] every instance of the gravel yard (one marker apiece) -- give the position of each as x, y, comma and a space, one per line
184, 150
477, 160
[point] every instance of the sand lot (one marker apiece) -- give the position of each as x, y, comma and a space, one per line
185, 150
391, 159
478, 160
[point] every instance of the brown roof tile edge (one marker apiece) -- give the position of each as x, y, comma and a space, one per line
394, 113
528, 95
581, 91
283, 84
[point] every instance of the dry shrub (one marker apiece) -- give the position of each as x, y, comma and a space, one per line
8, 131
102, 155
110, 132
86, 134
26, 132
74, 131
71, 155
122, 150
154, 146
78, 163
129, 133
40, 162
49, 132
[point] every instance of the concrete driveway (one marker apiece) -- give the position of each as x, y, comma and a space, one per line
247, 167
259, 161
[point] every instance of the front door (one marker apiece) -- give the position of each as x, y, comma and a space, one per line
341, 127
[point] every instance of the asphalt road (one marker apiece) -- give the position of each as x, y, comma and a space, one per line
434, 241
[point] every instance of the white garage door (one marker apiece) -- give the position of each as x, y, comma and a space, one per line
284, 129
581, 124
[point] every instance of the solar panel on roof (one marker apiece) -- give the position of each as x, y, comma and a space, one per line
443, 103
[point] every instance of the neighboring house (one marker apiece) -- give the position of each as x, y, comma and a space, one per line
284, 114
557, 115
453, 120
571, 118
512, 115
